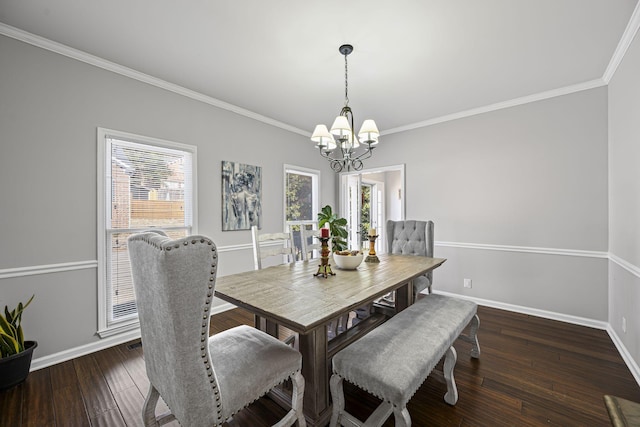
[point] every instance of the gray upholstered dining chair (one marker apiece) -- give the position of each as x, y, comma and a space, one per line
203, 379
412, 238
271, 244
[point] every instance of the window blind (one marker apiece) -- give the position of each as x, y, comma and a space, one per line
147, 186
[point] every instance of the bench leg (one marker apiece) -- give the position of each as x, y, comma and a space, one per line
401, 416
472, 338
473, 334
451, 397
337, 395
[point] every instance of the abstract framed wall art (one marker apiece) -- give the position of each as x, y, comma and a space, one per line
241, 196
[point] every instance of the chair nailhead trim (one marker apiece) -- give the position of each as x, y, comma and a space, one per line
205, 317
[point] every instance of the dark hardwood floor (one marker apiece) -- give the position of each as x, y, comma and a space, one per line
532, 372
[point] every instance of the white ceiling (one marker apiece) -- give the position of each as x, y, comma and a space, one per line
413, 60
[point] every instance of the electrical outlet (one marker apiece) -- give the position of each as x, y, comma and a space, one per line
624, 324
467, 283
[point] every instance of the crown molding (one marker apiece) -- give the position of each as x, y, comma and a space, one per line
76, 54
566, 90
625, 41
623, 44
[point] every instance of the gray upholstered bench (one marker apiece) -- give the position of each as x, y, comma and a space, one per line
393, 360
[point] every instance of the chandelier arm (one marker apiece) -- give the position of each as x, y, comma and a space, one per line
325, 153
368, 153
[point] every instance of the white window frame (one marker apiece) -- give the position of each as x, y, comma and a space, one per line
106, 329
315, 199
315, 202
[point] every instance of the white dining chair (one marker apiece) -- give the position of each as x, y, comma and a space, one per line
268, 245
309, 242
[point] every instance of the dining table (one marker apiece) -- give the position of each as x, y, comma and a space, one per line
290, 295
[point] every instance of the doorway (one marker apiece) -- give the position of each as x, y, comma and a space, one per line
369, 198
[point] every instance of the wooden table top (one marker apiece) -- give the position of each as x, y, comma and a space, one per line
290, 295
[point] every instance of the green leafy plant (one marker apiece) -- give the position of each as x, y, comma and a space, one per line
11, 336
337, 228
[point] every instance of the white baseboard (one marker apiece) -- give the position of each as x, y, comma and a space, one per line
63, 356
626, 356
72, 353
576, 320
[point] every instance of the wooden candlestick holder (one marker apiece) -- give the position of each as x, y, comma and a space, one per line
324, 269
372, 257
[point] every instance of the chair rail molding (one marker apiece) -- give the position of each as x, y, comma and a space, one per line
105, 342
625, 264
526, 249
7, 273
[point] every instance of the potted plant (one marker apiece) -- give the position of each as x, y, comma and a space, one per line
15, 352
337, 228
343, 257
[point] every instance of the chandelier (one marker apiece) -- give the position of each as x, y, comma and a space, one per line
340, 146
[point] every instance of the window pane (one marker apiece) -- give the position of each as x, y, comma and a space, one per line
147, 187
121, 297
299, 197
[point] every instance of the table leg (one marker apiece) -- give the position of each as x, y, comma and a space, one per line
266, 325
315, 369
404, 296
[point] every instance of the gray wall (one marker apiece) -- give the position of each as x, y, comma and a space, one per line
519, 196
50, 107
624, 201
510, 189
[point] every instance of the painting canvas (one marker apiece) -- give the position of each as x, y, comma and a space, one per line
241, 196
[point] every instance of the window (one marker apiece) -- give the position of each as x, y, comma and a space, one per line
301, 189
143, 183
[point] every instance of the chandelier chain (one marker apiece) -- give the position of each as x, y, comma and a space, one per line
346, 81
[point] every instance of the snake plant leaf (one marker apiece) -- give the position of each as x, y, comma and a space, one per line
18, 312
7, 315
20, 337
5, 349
11, 335
5, 327
10, 342
28, 302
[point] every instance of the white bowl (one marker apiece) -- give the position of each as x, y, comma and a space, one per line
348, 262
